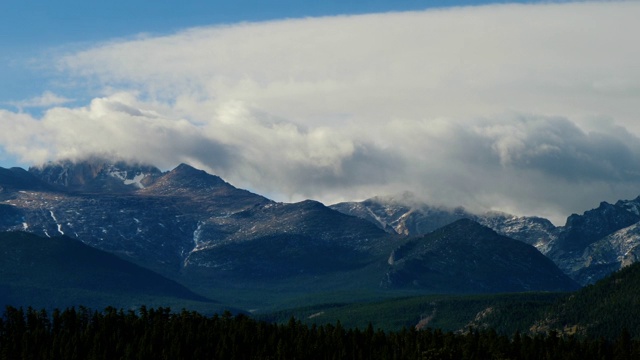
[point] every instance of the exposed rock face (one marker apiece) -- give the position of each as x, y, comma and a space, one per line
531, 230
611, 253
580, 247
401, 215
96, 175
405, 216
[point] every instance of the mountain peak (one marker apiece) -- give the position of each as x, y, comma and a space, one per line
204, 188
466, 228
468, 223
190, 177
466, 256
96, 174
19, 179
186, 168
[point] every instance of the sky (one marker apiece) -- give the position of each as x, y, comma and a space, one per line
529, 108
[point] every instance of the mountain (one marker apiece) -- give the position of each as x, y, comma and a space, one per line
589, 245
401, 215
587, 248
197, 229
19, 179
190, 225
405, 215
466, 257
284, 240
154, 219
609, 254
532, 230
61, 272
96, 175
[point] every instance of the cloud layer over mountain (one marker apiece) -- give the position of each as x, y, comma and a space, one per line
524, 108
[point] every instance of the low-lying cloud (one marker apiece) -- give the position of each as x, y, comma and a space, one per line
524, 108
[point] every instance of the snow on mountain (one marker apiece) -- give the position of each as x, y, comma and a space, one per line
580, 249
532, 230
186, 217
633, 206
126, 177
406, 216
97, 174
611, 253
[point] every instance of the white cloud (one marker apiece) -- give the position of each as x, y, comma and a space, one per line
527, 108
47, 99
555, 59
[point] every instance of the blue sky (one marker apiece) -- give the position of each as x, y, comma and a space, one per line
529, 108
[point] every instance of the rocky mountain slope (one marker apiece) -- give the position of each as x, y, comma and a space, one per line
598, 242
96, 175
407, 216
183, 219
200, 230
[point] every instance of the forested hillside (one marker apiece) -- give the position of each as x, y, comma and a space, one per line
161, 334
602, 309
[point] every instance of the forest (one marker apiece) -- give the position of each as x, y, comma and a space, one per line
160, 333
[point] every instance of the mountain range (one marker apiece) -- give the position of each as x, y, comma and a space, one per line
587, 247
236, 246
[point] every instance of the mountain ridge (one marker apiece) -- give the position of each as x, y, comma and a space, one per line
198, 229
587, 247
494, 263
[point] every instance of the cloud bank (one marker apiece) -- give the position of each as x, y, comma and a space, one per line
530, 109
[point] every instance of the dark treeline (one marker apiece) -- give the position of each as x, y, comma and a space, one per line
160, 334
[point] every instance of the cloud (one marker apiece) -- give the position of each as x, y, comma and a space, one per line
558, 147
570, 59
524, 108
47, 99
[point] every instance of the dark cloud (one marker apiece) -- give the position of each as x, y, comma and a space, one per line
559, 148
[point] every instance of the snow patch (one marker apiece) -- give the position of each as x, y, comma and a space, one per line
56, 221
197, 233
122, 175
138, 229
316, 315
135, 181
376, 217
